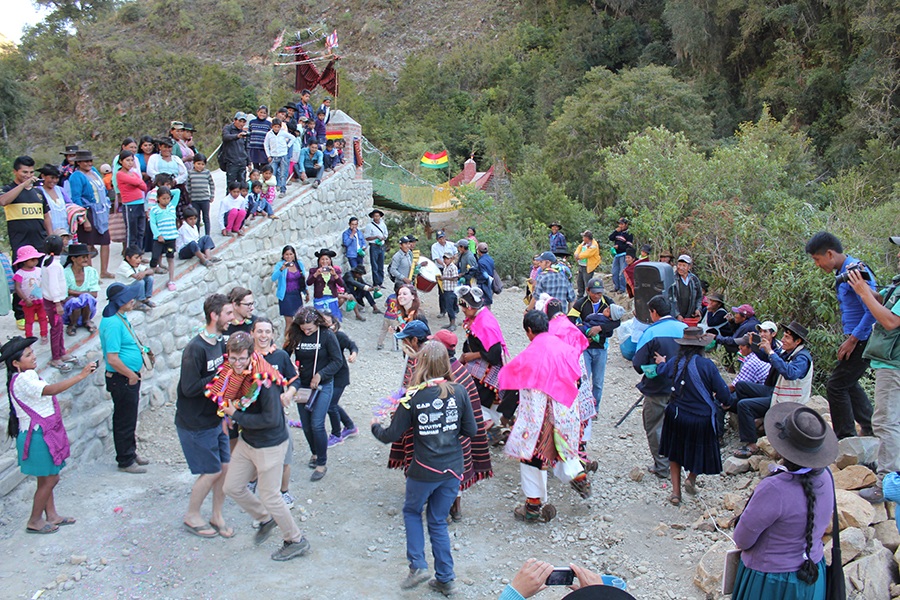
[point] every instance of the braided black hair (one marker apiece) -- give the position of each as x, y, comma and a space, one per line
12, 426
808, 571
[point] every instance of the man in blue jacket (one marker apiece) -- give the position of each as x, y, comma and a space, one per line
658, 338
485, 273
311, 164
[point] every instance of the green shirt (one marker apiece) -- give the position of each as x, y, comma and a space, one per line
115, 337
877, 364
91, 281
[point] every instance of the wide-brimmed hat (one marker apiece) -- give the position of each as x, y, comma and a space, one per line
599, 592
118, 295
62, 232
290, 105
894, 239
555, 224
716, 297
801, 435
472, 296
694, 336
666, 253
49, 170
78, 250
416, 329
446, 337
325, 252
14, 346
562, 251
26, 252
797, 329
359, 269
165, 141
83, 155
376, 210
69, 150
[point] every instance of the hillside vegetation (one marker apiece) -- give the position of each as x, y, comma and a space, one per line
730, 129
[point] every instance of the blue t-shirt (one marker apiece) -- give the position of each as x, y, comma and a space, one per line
116, 338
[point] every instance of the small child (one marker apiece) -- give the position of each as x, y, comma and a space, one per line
294, 151
326, 107
201, 189
165, 232
449, 278
234, 210
309, 133
330, 156
391, 310
55, 293
609, 314
190, 243
106, 172
258, 205
320, 128
254, 176
269, 184
339, 146
133, 270
28, 289
277, 142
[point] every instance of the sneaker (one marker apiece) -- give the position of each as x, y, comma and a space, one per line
348, 433
315, 184
875, 495
252, 487
334, 440
291, 550
288, 500
415, 577
264, 531
133, 468
20, 323
141, 460
447, 588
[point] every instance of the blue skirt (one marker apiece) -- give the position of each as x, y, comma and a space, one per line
331, 303
688, 438
755, 585
39, 462
292, 301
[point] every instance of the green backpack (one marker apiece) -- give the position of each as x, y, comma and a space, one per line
884, 345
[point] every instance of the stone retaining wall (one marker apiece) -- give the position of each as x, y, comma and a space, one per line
313, 219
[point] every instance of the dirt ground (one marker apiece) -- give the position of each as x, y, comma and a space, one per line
128, 541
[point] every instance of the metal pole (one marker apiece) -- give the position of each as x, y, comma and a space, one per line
630, 410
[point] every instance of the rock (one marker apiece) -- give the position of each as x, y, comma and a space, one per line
77, 559
661, 529
643, 570
68, 585
766, 447
104, 562
845, 460
854, 477
735, 466
636, 474
819, 404
61, 578
724, 522
764, 465
853, 511
870, 576
865, 449
754, 461
886, 532
392, 511
608, 518
709, 572
880, 513
126, 552
733, 501
895, 590
76, 576
853, 542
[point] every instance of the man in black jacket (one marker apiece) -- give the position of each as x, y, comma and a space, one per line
260, 453
598, 335
233, 155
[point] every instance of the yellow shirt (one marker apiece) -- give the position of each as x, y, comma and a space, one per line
591, 253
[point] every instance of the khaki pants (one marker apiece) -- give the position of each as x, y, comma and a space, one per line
266, 464
886, 420
654, 412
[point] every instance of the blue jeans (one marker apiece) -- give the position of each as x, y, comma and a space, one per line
314, 423
280, 164
144, 287
260, 206
355, 261
376, 258
440, 496
618, 273
191, 248
595, 362
136, 225
315, 173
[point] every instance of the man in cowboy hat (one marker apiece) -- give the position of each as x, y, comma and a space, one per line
402, 262
362, 292
715, 320
376, 234
557, 238
789, 380
234, 156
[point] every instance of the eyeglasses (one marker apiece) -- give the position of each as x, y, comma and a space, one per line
248, 304
239, 360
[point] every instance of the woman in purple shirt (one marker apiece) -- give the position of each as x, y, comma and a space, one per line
780, 532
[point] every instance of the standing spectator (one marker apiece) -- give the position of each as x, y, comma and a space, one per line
201, 188
277, 141
203, 441
686, 291
311, 164
183, 148
290, 285
146, 149
401, 267
485, 274
54, 292
28, 289
847, 400
376, 235
233, 155
166, 162
128, 145
594, 303
321, 134
587, 254
466, 264
442, 253
434, 474
56, 197
622, 242
354, 243
67, 166
553, 282
83, 282
124, 358
304, 108
659, 338
88, 191
319, 358
27, 213
132, 190
391, 312
557, 238
259, 129
326, 108
449, 281
164, 232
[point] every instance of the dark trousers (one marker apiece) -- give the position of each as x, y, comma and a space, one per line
753, 400
235, 174
136, 225
439, 497
191, 248
376, 258
338, 415
847, 400
202, 209
363, 296
125, 399
449, 298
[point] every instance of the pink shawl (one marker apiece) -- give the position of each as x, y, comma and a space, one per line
486, 328
548, 364
564, 329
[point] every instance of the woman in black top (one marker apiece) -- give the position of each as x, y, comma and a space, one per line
319, 358
336, 414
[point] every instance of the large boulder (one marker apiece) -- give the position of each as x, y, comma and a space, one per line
865, 449
869, 578
819, 404
855, 477
853, 542
886, 532
853, 511
735, 466
709, 571
766, 447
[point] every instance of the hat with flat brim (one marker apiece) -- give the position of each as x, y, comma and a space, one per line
70, 150
555, 224
894, 239
599, 592
471, 296
83, 155
119, 295
797, 330
26, 252
189, 127
325, 252
15, 346
375, 210
78, 250
716, 297
359, 270
49, 170
801, 435
694, 336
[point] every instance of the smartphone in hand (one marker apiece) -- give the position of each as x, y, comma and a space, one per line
561, 576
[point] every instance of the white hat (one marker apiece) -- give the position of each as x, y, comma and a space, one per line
767, 325
685, 258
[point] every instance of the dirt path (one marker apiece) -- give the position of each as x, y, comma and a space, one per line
352, 517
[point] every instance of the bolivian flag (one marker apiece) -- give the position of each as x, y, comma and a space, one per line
435, 161
334, 135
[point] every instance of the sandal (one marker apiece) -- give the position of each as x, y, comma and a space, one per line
745, 452
546, 514
48, 528
690, 487
70, 330
222, 531
65, 521
92, 329
68, 358
675, 500
197, 530
62, 366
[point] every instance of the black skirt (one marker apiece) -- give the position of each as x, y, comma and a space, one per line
92, 238
689, 439
292, 301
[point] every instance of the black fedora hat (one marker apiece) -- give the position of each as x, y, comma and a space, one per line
797, 329
14, 346
801, 435
165, 141
49, 170
325, 252
77, 250
716, 297
555, 224
189, 126
359, 269
290, 105
69, 150
376, 210
599, 592
83, 155
694, 336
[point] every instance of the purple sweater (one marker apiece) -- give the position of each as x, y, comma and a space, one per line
771, 530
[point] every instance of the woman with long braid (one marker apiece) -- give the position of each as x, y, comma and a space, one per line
780, 532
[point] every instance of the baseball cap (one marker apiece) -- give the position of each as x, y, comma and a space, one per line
239, 116
743, 340
547, 256
482, 247
768, 325
441, 234
412, 238
446, 337
685, 258
895, 239
416, 329
744, 309
595, 285
403, 240
463, 242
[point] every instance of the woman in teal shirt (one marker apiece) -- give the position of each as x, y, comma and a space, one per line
124, 359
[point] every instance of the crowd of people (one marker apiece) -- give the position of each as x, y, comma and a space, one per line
238, 377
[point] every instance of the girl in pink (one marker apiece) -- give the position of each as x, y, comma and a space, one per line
36, 423
233, 210
55, 293
28, 289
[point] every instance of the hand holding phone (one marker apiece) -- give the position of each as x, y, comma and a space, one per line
561, 576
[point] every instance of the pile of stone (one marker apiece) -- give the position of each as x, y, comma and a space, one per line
870, 539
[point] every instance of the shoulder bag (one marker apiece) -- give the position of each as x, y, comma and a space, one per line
835, 585
146, 353
307, 395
